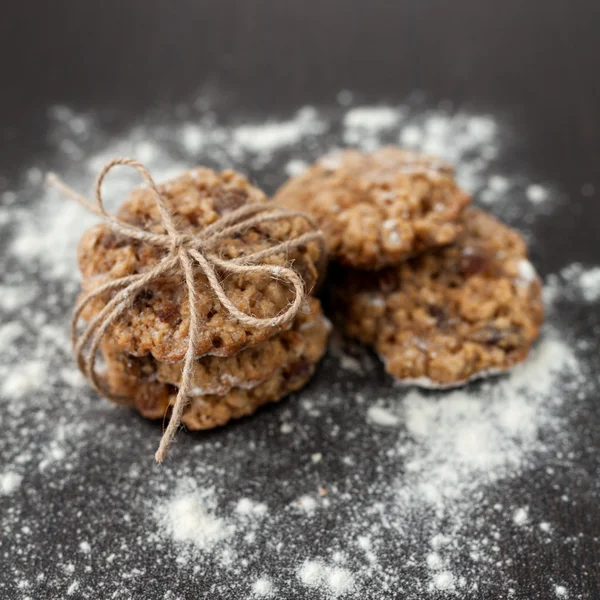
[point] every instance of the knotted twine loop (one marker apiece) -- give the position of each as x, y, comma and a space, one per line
184, 254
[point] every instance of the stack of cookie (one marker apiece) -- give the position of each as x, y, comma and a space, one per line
443, 292
237, 368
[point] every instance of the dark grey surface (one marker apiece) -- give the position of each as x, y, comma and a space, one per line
536, 63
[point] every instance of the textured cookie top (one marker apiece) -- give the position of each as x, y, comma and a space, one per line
378, 209
158, 320
451, 314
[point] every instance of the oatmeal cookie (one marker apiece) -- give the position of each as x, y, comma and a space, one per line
249, 367
140, 382
378, 209
452, 314
158, 320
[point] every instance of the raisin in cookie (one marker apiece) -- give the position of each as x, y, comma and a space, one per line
251, 366
140, 382
378, 209
453, 314
158, 320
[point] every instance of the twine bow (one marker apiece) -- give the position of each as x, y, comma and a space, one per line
183, 253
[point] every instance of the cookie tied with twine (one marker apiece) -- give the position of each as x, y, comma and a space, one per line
185, 254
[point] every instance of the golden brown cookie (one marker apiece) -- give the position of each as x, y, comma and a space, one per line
158, 320
452, 314
249, 367
378, 209
142, 384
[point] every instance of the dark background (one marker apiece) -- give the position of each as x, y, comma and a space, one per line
539, 60
536, 61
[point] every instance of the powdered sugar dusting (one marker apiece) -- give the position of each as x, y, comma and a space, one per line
381, 416
268, 137
262, 587
190, 518
521, 516
582, 281
574, 281
364, 124
330, 579
9, 482
536, 193
419, 493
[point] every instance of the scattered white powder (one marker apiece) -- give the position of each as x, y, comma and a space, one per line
262, 587
311, 573
73, 377
574, 281
470, 437
13, 297
351, 357
497, 188
85, 547
245, 506
537, 193
306, 504
72, 588
286, 428
190, 518
443, 580
521, 516
339, 580
10, 332
192, 138
350, 363
439, 541
459, 138
362, 125
29, 377
527, 272
560, 591
364, 542
331, 579
434, 561
9, 482
268, 137
382, 416
371, 118
411, 136
295, 167
590, 284
498, 183
438, 464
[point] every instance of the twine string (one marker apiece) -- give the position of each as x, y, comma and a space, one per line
184, 254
